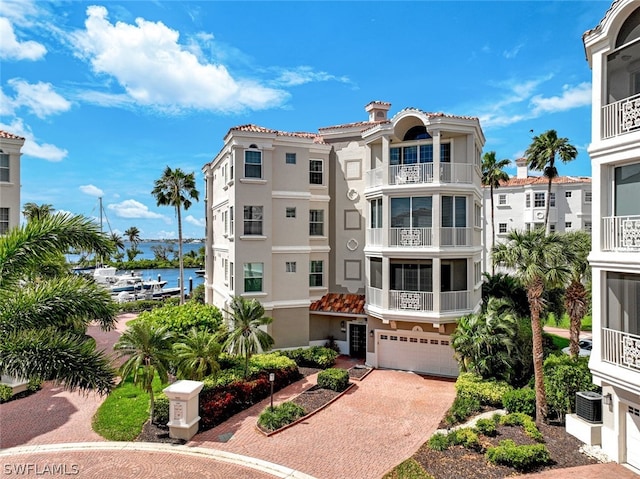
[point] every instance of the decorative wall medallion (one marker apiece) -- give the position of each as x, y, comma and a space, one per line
352, 244
352, 194
417, 329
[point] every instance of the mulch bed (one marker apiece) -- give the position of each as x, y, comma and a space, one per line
458, 462
155, 433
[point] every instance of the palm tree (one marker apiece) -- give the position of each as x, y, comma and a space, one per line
540, 262
118, 243
148, 349
176, 188
197, 354
492, 174
576, 297
43, 317
246, 337
133, 235
33, 211
541, 156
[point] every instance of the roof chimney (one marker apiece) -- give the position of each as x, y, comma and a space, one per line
377, 110
522, 170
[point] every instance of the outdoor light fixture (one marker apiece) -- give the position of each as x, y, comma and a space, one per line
371, 333
272, 378
606, 399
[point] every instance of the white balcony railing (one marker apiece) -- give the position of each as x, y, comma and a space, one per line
411, 300
621, 117
455, 301
455, 236
410, 237
374, 296
456, 173
374, 236
373, 177
621, 233
621, 349
409, 174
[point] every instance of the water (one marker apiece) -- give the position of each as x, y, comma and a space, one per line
170, 275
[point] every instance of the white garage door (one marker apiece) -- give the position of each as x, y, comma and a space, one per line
633, 437
426, 353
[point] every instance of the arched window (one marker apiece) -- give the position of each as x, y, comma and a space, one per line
418, 132
630, 29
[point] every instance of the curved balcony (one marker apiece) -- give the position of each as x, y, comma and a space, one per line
422, 173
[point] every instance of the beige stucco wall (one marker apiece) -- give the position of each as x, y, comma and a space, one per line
323, 326
10, 191
290, 327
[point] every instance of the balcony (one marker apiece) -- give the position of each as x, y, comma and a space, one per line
410, 237
373, 178
621, 349
621, 233
421, 237
422, 173
374, 236
411, 300
411, 174
621, 117
455, 301
455, 237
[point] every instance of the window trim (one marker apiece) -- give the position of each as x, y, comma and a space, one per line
252, 220
290, 267
288, 157
312, 172
261, 278
5, 168
259, 165
316, 274
288, 210
312, 230
4, 222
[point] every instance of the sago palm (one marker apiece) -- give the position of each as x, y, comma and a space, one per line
176, 188
540, 262
43, 316
246, 336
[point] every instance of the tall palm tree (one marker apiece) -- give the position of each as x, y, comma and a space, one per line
148, 350
492, 174
176, 188
540, 262
197, 354
43, 317
576, 297
541, 156
33, 211
246, 337
133, 235
118, 243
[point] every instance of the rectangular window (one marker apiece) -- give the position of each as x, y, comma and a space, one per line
231, 276
502, 199
4, 220
394, 156
315, 274
527, 200
225, 215
253, 220
587, 226
454, 211
226, 271
253, 277
253, 164
415, 276
375, 273
552, 228
477, 216
626, 197
477, 272
316, 222
290, 212
426, 153
4, 167
453, 275
567, 194
502, 228
411, 212
445, 153
587, 197
290, 158
290, 266
376, 213
231, 221
538, 200
552, 199
315, 172
567, 225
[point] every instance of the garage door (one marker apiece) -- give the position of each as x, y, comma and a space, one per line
633, 437
426, 353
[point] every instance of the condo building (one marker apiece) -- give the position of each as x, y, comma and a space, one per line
10, 146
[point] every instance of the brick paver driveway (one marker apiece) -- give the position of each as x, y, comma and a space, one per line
369, 430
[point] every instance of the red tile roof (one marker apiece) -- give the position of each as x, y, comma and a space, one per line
261, 129
9, 136
438, 114
339, 303
364, 124
541, 180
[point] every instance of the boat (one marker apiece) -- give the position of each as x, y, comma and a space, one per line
131, 282
200, 272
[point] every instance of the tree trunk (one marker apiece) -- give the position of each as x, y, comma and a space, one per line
576, 305
534, 295
547, 203
151, 405
493, 232
180, 259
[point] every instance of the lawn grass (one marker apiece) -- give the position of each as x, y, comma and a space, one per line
564, 322
124, 412
559, 342
409, 469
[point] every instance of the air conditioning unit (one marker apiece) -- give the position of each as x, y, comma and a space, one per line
589, 406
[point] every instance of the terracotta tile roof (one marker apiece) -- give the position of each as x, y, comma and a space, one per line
260, 129
364, 124
9, 136
438, 114
378, 102
339, 303
541, 180
599, 26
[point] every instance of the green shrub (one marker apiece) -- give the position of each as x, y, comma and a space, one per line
465, 437
486, 427
139, 306
520, 400
233, 368
334, 379
523, 458
563, 377
181, 319
34, 385
439, 442
313, 357
461, 409
197, 294
161, 410
487, 392
527, 423
279, 416
408, 469
5, 393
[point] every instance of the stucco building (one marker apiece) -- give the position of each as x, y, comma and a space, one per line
10, 146
367, 232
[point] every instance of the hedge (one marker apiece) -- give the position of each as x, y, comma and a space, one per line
488, 392
313, 357
279, 416
334, 378
523, 458
520, 400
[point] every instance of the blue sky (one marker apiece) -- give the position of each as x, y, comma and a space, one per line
110, 93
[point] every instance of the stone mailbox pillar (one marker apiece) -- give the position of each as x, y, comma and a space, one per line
183, 408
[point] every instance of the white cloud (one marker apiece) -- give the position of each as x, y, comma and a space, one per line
156, 70
305, 74
19, 11
44, 151
167, 234
571, 97
13, 49
509, 54
133, 209
91, 190
39, 98
195, 221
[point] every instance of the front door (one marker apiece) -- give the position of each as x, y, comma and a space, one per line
358, 340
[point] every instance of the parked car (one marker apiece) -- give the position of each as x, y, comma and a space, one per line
585, 348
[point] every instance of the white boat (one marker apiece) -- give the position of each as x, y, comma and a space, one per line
132, 282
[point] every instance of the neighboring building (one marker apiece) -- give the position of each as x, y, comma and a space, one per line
613, 53
10, 146
519, 204
367, 232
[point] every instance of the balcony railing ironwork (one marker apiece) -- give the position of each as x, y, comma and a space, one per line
410, 237
621, 117
621, 349
621, 233
411, 300
408, 174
